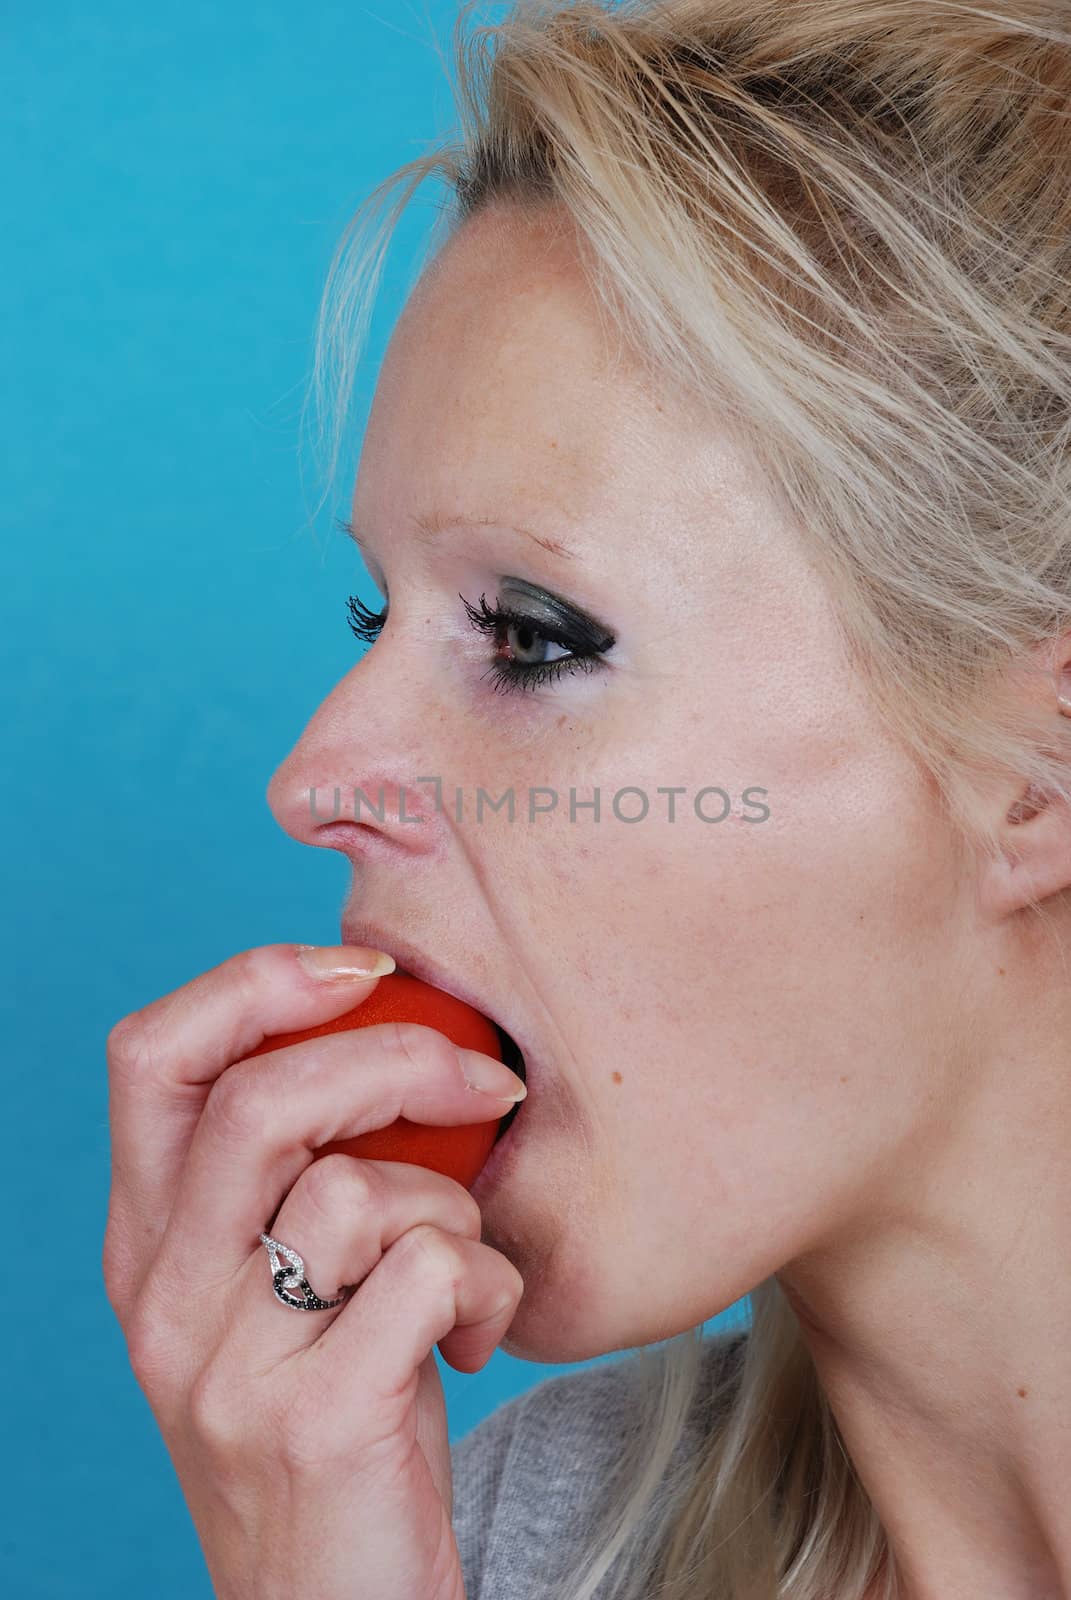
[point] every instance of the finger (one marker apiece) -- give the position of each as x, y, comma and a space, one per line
162, 1062
341, 1216
266, 1117
430, 1287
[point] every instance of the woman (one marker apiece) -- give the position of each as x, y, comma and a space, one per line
730, 421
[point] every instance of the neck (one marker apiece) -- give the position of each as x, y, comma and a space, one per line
939, 1322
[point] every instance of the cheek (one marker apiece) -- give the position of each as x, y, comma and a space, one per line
736, 992
718, 970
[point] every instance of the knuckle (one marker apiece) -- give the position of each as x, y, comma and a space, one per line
436, 1253
129, 1045
421, 1047
245, 970
470, 1215
117, 1267
136, 1042
119, 1034
214, 1409
151, 1351
236, 1107
516, 1281
137, 1046
339, 1186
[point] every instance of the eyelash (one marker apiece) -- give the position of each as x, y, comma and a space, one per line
491, 620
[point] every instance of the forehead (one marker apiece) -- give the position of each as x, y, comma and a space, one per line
499, 375
508, 392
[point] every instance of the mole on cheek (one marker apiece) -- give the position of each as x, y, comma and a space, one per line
1021, 1393
616, 1076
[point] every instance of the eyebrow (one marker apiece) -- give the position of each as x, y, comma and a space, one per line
429, 524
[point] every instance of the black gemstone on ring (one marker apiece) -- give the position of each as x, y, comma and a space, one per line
311, 1302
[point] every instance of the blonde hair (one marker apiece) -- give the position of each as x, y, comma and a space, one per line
844, 226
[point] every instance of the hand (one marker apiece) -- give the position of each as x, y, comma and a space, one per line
311, 1445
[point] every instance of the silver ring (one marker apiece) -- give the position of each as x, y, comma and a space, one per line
293, 1277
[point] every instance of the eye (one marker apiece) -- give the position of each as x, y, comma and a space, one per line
527, 640
528, 646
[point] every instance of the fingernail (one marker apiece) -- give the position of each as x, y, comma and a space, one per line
344, 961
490, 1076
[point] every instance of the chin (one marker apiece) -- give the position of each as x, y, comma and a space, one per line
539, 1203
544, 1340
555, 1321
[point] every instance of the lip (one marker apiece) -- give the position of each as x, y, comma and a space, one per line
409, 959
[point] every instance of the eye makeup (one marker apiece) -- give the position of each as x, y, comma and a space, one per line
528, 619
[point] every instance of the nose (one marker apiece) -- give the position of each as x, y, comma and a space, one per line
359, 780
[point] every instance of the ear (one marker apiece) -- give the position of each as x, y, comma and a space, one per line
1035, 830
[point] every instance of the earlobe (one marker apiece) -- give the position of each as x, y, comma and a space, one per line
1063, 681
1035, 859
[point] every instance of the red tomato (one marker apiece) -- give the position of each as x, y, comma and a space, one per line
459, 1152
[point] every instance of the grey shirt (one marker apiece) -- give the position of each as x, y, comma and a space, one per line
531, 1478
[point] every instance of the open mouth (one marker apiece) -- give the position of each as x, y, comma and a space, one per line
511, 1055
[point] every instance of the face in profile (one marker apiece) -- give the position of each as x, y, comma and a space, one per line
707, 976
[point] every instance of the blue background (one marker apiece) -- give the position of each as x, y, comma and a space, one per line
176, 180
